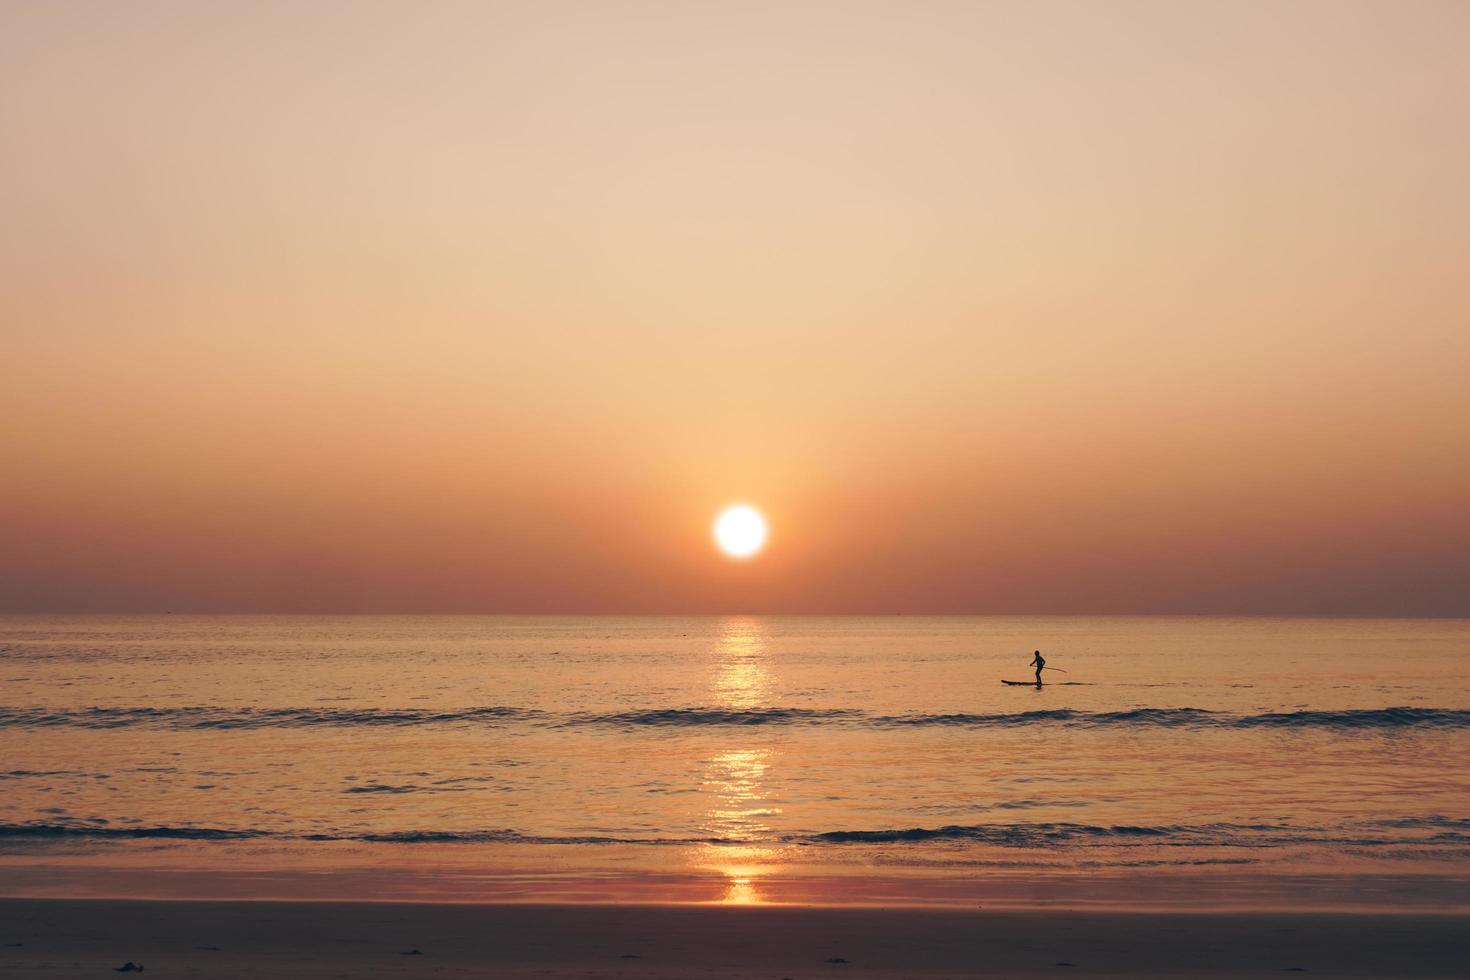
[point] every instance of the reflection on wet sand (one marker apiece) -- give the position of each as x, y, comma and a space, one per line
736, 778
738, 811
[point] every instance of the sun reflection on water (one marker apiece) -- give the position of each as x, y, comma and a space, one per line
735, 778
742, 668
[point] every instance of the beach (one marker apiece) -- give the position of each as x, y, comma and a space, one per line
65, 938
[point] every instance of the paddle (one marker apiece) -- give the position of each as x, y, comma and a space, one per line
1055, 668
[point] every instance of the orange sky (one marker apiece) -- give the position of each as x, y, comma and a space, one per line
1033, 307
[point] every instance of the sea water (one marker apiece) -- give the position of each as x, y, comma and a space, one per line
738, 759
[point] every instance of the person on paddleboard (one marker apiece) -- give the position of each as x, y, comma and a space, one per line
1038, 662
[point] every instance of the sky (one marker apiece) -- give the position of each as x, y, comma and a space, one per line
1030, 307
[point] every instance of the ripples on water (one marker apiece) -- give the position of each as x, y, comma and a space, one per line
740, 744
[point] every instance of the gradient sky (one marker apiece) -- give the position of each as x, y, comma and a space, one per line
1031, 307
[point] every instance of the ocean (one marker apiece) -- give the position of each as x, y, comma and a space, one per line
738, 759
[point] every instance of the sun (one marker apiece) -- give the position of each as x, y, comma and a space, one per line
740, 531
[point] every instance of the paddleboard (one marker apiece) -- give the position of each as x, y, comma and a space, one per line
1020, 683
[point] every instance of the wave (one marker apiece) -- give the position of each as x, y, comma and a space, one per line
99, 831
681, 717
232, 718
1035, 834
1369, 834
1361, 718
220, 718
1374, 718
65, 830
1137, 716
1435, 821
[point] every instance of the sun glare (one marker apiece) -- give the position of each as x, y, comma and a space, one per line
740, 531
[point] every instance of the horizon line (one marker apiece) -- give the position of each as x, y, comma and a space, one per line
720, 614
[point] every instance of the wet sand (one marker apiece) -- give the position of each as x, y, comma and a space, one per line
69, 938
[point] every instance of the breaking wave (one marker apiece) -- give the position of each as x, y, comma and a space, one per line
232, 718
1436, 830
205, 718
687, 717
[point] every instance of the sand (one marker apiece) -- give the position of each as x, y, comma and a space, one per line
91, 938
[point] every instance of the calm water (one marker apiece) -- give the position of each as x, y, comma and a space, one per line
725, 758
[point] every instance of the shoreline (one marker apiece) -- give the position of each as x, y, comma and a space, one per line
73, 937
478, 879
